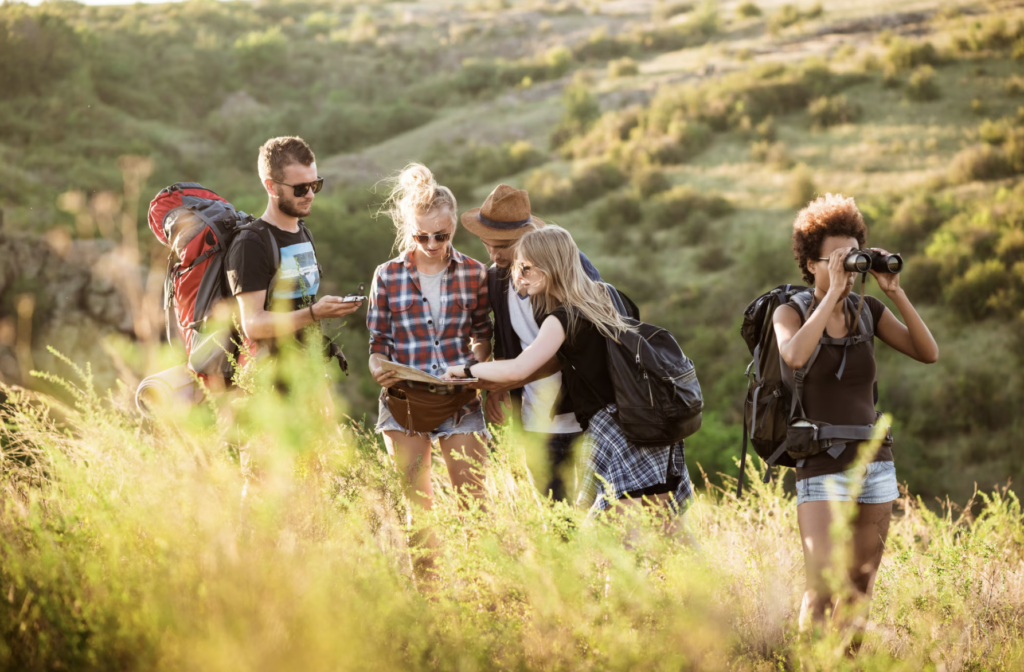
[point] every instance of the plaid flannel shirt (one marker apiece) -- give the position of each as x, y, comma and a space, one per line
399, 320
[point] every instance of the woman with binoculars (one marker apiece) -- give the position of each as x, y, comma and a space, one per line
829, 328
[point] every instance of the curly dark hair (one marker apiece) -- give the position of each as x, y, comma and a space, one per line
828, 215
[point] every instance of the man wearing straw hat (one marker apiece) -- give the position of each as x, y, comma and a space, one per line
504, 217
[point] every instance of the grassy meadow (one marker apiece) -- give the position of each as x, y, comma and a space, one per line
138, 546
676, 141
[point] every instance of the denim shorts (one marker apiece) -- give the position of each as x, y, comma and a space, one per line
470, 424
877, 479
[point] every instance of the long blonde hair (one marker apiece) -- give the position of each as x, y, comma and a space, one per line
414, 191
553, 252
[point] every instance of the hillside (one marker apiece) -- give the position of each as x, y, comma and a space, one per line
675, 140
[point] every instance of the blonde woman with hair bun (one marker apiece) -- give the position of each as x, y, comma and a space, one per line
579, 316
429, 310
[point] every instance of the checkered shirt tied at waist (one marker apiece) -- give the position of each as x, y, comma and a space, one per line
399, 320
611, 461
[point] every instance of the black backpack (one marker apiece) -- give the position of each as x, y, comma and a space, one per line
775, 392
656, 390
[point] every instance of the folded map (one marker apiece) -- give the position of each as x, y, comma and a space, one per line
409, 373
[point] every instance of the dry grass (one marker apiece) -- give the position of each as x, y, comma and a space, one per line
133, 546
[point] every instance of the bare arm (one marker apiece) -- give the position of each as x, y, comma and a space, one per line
481, 351
913, 339
533, 358
384, 378
497, 393
260, 324
797, 343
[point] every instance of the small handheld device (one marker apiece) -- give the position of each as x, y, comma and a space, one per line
358, 296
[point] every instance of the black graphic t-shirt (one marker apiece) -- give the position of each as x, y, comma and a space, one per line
249, 268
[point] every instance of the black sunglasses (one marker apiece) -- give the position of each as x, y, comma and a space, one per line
301, 189
424, 238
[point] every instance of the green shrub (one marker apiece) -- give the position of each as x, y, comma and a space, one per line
650, 181
801, 189
976, 292
263, 50
993, 132
463, 166
1018, 50
592, 180
685, 209
784, 17
747, 10
552, 193
618, 211
773, 154
914, 219
607, 133
923, 279
549, 191
921, 86
890, 77
982, 162
580, 112
600, 46
558, 61
322, 23
623, 67
904, 55
989, 34
702, 26
38, 48
789, 15
1014, 85
713, 258
832, 110
767, 130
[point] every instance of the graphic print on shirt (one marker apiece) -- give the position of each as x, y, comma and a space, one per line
298, 275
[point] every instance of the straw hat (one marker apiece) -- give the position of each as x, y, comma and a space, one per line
505, 215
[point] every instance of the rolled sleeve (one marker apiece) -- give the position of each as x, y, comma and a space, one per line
482, 328
378, 318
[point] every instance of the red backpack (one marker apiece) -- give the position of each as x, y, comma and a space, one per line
198, 227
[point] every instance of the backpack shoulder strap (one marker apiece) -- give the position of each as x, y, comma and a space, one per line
262, 229
309, 235
803, 301
867, 322
620, 305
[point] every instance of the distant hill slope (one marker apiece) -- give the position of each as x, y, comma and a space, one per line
675, 140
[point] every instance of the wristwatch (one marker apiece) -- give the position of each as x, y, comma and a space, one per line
467, 366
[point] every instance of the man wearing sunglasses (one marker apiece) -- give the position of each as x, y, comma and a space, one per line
272, 266
502, 220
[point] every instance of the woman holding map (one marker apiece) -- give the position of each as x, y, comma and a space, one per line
428, 309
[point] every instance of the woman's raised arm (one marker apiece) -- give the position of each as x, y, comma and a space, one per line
536, 355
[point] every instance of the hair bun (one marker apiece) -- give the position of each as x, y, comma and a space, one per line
417, 177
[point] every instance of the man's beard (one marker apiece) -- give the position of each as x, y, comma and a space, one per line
291, 208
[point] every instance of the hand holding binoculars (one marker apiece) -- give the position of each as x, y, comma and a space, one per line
862, 261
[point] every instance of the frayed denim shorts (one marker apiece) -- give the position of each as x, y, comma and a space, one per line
877, 485
472, 423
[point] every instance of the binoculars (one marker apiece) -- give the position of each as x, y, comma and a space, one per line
862, 261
